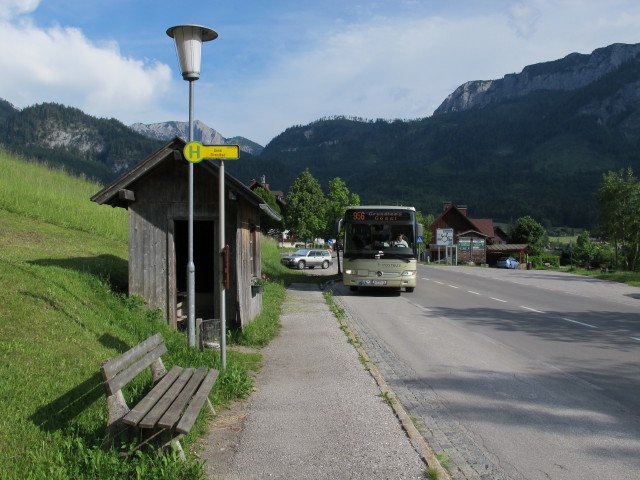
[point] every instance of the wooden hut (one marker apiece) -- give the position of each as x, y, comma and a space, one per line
155, 193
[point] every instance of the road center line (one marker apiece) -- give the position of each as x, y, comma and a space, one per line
530, 309
498, 300
471, 291
453, 286
580, 323
636, 339
440, 283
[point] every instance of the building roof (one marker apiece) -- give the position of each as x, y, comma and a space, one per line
508, 248
485, 226
115, 194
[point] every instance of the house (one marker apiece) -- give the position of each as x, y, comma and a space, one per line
474, 240
278, 194
155, 192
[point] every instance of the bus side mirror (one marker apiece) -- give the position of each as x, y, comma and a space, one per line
337, 226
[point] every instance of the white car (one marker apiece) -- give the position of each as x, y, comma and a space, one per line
308, 258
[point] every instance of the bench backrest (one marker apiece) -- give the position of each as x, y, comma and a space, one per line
117, 372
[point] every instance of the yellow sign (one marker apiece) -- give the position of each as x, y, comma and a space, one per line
196, 152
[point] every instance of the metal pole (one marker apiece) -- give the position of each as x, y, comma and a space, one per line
191, 269
223, 306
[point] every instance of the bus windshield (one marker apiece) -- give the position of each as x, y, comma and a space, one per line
369, 236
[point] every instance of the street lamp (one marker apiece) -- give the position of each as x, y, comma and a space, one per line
189, 40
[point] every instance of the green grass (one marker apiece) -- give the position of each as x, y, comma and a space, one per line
54, 197
630, 278
63, 274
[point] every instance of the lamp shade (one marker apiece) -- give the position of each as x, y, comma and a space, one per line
189, 40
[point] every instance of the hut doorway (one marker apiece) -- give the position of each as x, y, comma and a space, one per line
204, 261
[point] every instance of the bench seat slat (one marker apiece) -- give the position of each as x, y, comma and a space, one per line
112, 366
142, 408
172, 415
195, 405
116, 383
151, 419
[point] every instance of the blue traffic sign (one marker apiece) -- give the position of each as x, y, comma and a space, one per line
419, 239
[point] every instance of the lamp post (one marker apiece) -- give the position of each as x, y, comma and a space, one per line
189, 40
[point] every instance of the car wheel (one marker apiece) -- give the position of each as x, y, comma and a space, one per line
301, 265
325, 264
409, 289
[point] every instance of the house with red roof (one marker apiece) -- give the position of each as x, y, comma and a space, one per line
457, 237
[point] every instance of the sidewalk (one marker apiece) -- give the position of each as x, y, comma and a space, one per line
317, 412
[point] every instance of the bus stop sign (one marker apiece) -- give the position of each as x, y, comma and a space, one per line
196, 152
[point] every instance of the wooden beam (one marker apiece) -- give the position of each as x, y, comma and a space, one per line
128, 195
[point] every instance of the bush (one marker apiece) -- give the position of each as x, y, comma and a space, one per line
538, 261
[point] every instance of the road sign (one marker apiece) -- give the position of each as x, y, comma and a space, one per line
419, 239
330, 242
195, 152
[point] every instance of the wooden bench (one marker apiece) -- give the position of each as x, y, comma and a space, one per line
170, 409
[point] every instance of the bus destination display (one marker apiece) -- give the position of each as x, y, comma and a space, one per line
381, 216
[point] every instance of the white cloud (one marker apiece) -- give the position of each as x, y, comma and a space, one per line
404, 67
61, 65
11, 8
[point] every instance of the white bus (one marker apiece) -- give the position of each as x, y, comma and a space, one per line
380, 248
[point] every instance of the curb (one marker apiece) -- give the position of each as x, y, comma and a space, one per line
419, 443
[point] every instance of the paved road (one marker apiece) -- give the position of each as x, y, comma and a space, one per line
515, 374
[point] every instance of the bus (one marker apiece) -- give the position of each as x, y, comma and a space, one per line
380, 248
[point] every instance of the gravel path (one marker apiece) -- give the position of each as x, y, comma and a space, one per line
316, 414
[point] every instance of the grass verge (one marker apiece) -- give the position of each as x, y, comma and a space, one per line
63, 274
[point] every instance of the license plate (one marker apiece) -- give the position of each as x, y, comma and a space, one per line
374, 282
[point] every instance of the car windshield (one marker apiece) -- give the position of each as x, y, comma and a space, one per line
368, 240
503, 259
301, 253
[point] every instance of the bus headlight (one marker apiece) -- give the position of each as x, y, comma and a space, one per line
349, 272
409, 273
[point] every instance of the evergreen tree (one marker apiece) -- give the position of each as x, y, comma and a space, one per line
338, 200
527, 230
619, 198
268, 224
306, 208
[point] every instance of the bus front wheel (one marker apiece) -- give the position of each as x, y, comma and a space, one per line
409, 289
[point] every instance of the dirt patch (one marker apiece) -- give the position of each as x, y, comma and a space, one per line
219, 446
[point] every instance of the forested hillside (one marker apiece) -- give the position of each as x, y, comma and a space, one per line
534, 145
542, 154
63, 136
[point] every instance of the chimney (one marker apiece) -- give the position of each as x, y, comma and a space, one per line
463, 209
263, 179
446, 205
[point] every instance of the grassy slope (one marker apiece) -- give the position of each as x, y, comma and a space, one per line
62, 263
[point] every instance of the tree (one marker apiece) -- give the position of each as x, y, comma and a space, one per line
527, 230
619, 198
585, 251
338, 200
266, 222
306, 207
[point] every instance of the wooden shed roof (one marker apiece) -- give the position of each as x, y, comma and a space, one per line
115, 194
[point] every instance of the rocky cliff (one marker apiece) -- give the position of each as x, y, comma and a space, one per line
201, 133
569, 73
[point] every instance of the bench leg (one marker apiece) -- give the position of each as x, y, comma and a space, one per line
116, 409
213, 410
169, 440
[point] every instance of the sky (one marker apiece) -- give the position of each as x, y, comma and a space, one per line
280, 63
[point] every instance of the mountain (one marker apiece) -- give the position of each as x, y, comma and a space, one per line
510, 148
84, 145
202, 133
569, 73
534, 143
